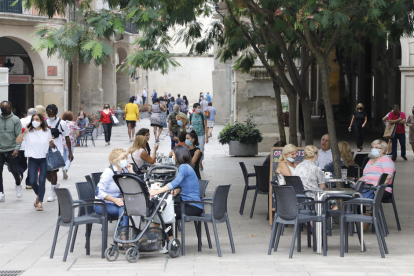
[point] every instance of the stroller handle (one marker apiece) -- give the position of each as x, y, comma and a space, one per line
162, 175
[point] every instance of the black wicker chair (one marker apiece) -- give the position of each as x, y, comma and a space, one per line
247, 187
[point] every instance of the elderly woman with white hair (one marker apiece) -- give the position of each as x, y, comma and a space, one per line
308, 170
379, 164
286, 166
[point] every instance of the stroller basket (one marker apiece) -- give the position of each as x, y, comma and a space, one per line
151, 240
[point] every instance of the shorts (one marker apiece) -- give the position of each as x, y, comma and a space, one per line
210, 123
132, 123
156, 125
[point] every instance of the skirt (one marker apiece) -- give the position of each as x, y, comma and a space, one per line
210, 123
132, 123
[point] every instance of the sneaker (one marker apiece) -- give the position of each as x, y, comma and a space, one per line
65, 174
164, 250
28, 187
2, 197
403, 157
52, 195
19, 191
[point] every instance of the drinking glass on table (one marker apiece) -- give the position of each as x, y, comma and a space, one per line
344, 173
162, 157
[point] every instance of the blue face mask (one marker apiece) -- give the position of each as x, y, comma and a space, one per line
180, 123
188, 142
375, 152
291, 160
316, 163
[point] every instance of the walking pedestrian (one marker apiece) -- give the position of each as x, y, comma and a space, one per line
178, 100
82, 122
173, 127
10, 129
184, 105
386, 123
211, 119
171, 105
201, 97
199, 122
59, 130
106, 121
67, 116
358, 122
321, 107
398, 118
410, 124
38, 138
208, 97
40, 109
154, 96
164, 113
144, 96
22, 161
156, 118
204, 104
131, 117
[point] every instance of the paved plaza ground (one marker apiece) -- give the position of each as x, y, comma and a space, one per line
26, 235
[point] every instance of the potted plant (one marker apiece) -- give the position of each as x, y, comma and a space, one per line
94, 119
143, 110
242, 138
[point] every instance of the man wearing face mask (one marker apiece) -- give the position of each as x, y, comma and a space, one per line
358, 122
10, 129
59, 131
398, 118
199, 122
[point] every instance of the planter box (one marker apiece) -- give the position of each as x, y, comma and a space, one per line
143, 114
240, 149
120, 116
97, 131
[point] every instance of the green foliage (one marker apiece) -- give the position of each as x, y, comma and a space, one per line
244, 133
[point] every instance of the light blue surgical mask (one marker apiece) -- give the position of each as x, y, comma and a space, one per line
188, 142
123, 163
375, 152
180, 123
316, 163
290, 159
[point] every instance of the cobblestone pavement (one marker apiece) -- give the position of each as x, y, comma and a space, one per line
26, 235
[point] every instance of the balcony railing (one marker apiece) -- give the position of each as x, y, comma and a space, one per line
131, 28
6, 6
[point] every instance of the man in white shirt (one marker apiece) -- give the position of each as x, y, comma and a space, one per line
22, 162
325, 153
144, 95
61, 130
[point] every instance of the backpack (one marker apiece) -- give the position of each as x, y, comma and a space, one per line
55, 130
207, 113
183, 107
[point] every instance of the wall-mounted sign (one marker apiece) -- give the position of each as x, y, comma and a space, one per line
52, 70
20, 79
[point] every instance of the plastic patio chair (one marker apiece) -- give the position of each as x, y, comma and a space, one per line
392, 200
88, 178
67, 218
96, 177
262, 185
288, 212
87, 133
359, 159
218, 215
247, 187
374, 219
203, 186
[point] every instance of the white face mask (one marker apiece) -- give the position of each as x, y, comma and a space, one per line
123, 164
36, 124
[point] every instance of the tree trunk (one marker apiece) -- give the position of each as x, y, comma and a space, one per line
307, 121
305, 100
293, 137
330, 116
279, 112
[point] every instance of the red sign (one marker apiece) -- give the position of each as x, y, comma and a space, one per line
20, 79
52, 70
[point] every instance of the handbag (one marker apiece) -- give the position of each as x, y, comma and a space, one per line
135, 167
54, 160
168, 214
114, 119
389, 132
207, 113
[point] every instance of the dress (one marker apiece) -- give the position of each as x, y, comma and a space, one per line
156, 116
410, 120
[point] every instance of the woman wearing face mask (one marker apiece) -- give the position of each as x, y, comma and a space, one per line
184, 123
82, 121
106, 114
410, 124
38, 138
191, 142
358, 122
309, 172
286, 164
108, 190
379, 164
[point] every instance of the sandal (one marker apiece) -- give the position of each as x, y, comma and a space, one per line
36, 202
40, 206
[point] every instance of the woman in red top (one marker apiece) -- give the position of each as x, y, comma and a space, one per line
106, 122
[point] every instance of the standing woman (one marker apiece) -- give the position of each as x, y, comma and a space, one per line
131, 117
185, 103
358, 122
146, 133
410, 124
156, 117
106, 114
73, 134
38, 139
191, 142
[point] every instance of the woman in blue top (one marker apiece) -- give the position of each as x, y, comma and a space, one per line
185, 184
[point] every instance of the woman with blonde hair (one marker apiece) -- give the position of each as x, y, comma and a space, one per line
286, 164
358, 122
40, 109
184, 123
137, 154
308, 170
346, 157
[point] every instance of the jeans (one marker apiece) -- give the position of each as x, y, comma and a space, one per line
113, 210
66, 157
108, 131
202, 142
80, 136
143, 100
164, 119
38, 165
359, 135
173, 142
8, 157
401, 138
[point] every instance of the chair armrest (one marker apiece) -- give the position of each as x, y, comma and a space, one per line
304, 197
366, 202
206, 198
251, 174
81, 203
199, 202
89, 200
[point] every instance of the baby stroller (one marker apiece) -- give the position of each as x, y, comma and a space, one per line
138, 203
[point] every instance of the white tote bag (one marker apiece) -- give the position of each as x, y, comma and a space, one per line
116, 121
168, 214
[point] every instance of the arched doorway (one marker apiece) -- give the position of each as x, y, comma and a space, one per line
122, 79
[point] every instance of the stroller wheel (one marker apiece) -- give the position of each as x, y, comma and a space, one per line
132, 254
112, 253
174, 248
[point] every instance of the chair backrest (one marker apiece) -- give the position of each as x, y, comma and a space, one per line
89, 129
219, 207
245, 173
96, 177
378, 198
286, 202
359, 159
89, 179
382, 179
135, 193
366, 159
85, 191
353, 171
262, 178
296, 183
203, 186
65, 202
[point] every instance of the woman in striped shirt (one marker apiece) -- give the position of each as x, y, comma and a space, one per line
381, 163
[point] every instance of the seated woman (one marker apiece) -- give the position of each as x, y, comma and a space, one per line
346, 157
137, 154
311, 175
379, 164
286, 164
146, 133
192, 142
108, 190
185, 184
